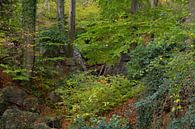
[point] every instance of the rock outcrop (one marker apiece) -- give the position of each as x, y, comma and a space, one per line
17, 119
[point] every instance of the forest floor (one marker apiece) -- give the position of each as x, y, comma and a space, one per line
125, 110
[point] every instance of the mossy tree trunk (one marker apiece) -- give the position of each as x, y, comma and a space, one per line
134, 6
28, 23
47, 5
154, 3
72, 28
60, 15
192, 10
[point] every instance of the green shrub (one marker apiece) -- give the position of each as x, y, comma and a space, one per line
15, 72
178, 75
105, 41
100, 123
52, 41
87, 95
144, 58
181, 71
149, 108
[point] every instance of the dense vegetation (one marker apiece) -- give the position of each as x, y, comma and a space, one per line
85, 59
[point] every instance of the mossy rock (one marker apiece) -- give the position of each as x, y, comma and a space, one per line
17, 119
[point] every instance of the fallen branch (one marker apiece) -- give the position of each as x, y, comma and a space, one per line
3, 58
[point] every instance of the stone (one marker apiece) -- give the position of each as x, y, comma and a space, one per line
17, 119
14, 95
3, 104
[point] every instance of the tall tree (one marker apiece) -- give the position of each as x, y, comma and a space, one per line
192, 10
134, 6
47, 5
60, 15
72, 27
154, 3
28, 27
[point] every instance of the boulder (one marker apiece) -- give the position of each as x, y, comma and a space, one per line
3, 104
14, 95
17, 119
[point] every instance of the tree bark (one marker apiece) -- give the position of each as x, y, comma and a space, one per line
134, 6
47, 5
192, 10
154, 3
72, 27
60, 15
28, 35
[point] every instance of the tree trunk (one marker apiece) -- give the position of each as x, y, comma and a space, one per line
60, 15
47, 5
134, 6
154, 3
72, 27
28, 36
192, 10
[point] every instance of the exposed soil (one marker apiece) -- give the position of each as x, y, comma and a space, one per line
125, 110
4, 79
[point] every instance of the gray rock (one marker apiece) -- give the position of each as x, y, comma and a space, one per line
3, 104
14, 95
17, 119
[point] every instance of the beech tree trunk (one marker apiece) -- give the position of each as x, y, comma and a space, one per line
192, 10
134, 6
28, 35
47, 5
60, 15
154, 3
72, 28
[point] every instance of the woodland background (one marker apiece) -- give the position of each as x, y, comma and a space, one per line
97, 64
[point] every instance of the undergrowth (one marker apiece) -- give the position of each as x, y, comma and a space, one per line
86, 95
